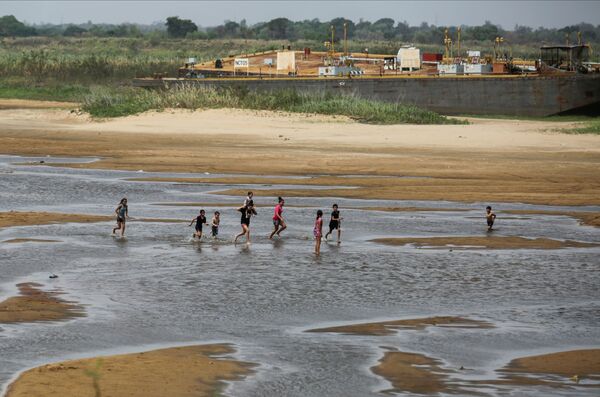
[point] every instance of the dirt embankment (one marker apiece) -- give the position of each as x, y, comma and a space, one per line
178, 371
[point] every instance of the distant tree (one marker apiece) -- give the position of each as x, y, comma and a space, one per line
180, 27
485, 32
386, 27
74, 30
11, 26
280, 28
338, 24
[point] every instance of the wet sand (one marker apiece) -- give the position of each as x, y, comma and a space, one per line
29, 240
489, 160
583, 363
487, 242
585, 218
35, 304
391, 327
413, 373
179, 371
16, 218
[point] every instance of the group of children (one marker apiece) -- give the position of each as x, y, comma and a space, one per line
247, 211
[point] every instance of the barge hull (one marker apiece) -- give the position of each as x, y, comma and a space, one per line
489, 95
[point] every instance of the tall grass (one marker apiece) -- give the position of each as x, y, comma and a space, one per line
104, 102
590, 127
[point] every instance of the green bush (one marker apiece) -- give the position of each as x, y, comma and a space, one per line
102, 102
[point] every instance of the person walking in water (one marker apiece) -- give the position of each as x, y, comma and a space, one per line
247, 212
490, 216
216, 220
278, 222
335, 223
318, 231
200, 220
122, 216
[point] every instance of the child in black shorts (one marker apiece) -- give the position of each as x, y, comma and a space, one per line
200, 220
334, 223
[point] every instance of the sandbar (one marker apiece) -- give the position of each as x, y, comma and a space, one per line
178, 371
486, 161
583, 363
17, 218
29, 240
412, 372
585, 218
34, 304
486, 242
393, 326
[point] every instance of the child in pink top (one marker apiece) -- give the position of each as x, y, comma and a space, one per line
318, 231
278, 222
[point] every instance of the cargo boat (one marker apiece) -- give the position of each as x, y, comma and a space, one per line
560, 81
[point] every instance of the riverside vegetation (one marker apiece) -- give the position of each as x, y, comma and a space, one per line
97, 72
104, 103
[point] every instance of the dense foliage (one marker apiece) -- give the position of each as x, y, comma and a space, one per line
311, 30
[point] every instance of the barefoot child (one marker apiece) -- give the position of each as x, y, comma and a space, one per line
200, 220
278, 222
247, 213
215, 224
491, 217
334, 223
122, 212
318, 231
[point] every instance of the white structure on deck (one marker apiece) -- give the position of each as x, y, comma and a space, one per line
409, 58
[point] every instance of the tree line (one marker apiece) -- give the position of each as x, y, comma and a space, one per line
310, 30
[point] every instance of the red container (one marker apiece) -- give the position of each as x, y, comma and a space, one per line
432, 57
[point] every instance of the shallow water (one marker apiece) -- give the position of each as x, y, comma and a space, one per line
159, 288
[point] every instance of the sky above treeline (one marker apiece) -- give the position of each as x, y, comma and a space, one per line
551, 14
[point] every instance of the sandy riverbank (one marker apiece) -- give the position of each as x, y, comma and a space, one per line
489, 160
36, 304
179, 371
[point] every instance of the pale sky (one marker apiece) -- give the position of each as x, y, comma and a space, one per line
211, 13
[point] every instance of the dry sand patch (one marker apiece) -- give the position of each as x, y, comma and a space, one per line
178, 371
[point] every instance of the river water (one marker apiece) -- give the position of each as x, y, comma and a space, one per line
158, 288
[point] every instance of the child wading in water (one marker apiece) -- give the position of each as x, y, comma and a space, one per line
215, 224
278, 222
200, 220
318, 231
491, 217
122, 215
247, 212
335, 223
